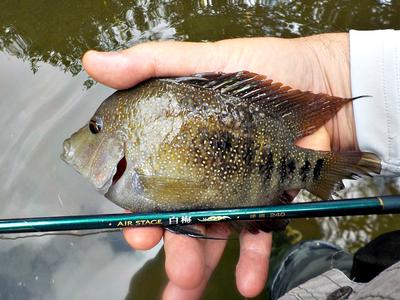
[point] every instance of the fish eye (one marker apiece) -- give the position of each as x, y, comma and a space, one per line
95, 125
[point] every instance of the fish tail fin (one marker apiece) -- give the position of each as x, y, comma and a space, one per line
344, 165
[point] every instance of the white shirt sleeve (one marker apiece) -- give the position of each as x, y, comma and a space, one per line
375, 71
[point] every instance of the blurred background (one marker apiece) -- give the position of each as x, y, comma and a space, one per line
45, 96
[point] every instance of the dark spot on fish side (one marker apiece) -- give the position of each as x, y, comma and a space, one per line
266, 168
318, 168
291, 166
304, 170
249, 153
282, 170
121, 167
224, 143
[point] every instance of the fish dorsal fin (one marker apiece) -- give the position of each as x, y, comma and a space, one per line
303, 112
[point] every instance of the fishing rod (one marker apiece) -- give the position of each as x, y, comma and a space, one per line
345, 207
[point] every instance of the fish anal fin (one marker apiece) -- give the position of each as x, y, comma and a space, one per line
323, 191
192, 231
286, 197
267, 225
254, 227
303, 111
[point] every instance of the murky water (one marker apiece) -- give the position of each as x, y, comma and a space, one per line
45, 96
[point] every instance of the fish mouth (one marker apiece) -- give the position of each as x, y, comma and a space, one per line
120, 170
68, 153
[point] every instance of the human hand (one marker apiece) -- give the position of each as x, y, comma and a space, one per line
318, 63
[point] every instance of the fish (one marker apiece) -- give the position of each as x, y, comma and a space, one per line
211, 140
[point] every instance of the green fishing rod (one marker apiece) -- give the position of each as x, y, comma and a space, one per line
359, 206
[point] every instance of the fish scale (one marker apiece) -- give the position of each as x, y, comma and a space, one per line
210, 140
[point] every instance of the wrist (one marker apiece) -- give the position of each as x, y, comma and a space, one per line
330, 56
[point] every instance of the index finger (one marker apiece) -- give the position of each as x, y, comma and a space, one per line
143, 238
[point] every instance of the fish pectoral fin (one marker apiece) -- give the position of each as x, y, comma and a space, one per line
192, 231
167, 188
303, 111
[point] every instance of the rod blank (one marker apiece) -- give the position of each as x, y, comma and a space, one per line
360, 206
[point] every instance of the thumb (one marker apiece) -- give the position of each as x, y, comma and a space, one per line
126, 68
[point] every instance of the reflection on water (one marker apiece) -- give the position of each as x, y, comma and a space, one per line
356, 231
351, 232
41, 108
60, 32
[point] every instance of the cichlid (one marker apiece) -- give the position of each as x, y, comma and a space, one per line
210, 140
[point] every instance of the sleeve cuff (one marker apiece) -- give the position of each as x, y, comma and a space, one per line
375, 71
